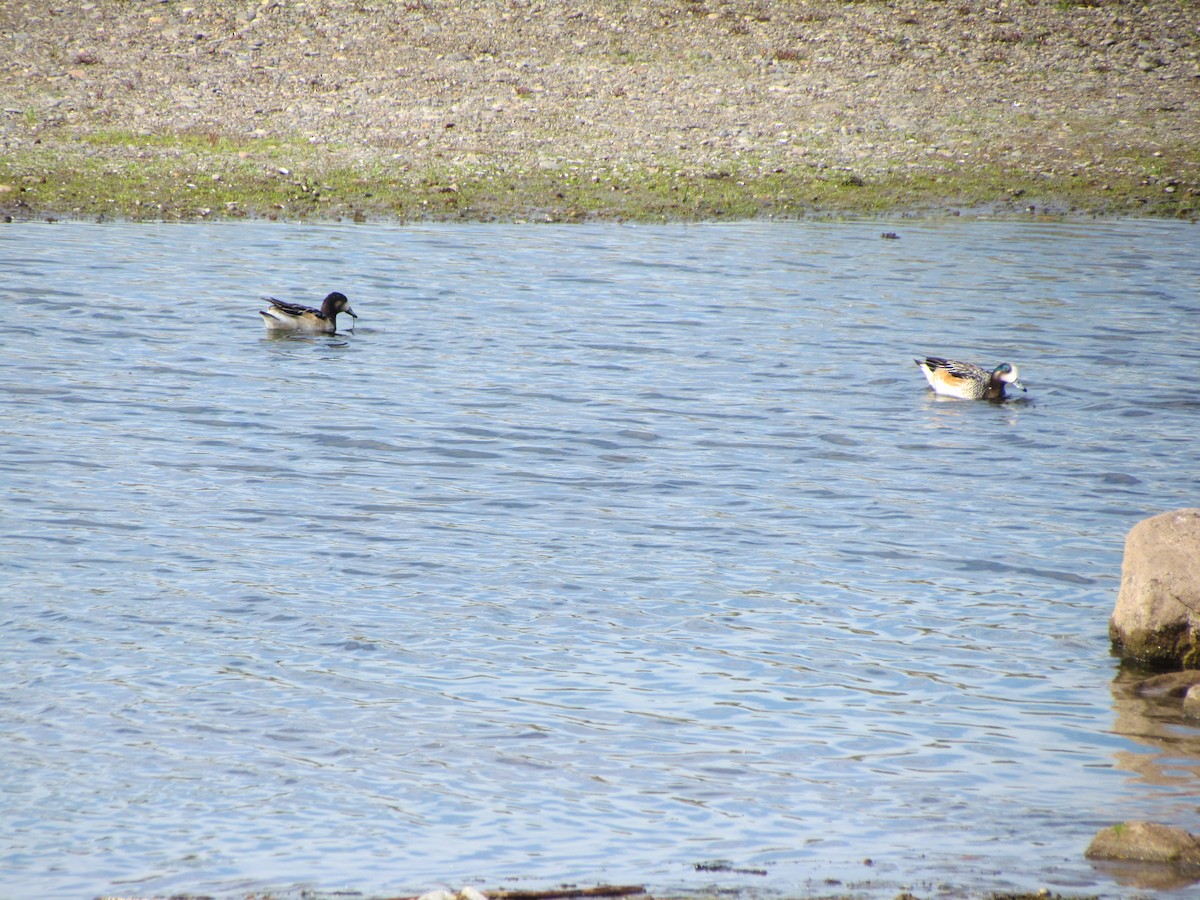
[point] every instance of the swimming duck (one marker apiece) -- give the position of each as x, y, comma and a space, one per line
282, 316
968, 381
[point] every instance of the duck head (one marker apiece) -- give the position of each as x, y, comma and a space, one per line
334, 303
1007, 373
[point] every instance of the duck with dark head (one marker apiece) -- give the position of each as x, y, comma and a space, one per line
282, 317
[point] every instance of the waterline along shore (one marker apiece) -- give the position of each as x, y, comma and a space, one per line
677, 110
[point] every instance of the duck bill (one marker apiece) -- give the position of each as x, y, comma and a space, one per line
1017, 384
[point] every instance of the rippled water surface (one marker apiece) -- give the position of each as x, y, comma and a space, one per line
592, 554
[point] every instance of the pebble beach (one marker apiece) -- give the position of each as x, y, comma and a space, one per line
675, 109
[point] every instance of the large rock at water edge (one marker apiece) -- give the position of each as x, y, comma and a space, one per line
1157, 618
1146, 842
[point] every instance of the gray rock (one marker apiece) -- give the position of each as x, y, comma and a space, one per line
1146, 842
1157, 617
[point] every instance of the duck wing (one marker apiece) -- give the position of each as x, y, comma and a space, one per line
956, 369
293, 309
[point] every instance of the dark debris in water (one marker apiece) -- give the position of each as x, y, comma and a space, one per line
722, 865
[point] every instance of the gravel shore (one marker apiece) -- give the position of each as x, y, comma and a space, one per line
658, 108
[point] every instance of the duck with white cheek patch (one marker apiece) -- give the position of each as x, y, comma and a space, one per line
967, 381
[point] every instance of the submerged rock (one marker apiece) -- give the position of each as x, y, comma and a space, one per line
1157, 617
1191, 701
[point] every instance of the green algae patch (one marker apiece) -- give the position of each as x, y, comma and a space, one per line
124, 175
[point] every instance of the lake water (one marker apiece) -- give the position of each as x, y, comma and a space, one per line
592, 554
